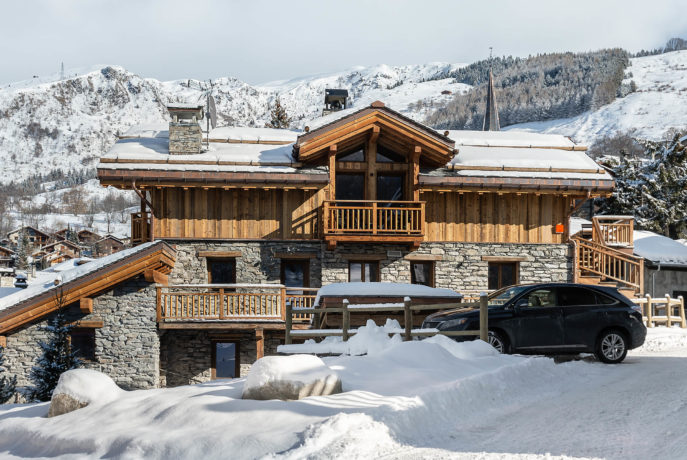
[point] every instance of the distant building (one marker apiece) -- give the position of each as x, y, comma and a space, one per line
7, 258
107, 245
334, 100
36, 237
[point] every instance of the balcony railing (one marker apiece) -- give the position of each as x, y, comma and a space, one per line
374, 220
140, 227
613, 230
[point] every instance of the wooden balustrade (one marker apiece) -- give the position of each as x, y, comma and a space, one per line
610, 264
362, 220
613, 230
221, 302
297, 299
673, 310
140, 227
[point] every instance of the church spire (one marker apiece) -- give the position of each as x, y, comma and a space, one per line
491, 115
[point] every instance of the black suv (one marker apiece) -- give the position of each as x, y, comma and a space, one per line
554, 318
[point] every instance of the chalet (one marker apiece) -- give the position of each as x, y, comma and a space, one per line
57, 252
107, 245
7, 258
87, 237
230, 231
36, 237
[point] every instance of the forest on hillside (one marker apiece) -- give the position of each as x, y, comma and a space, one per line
537, 88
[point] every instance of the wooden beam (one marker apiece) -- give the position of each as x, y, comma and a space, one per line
220, 254
142, 197
259, 343
371, 172
332, 172
363, 256
3, 341
294, 255
221, 326
415, 172
154, 276
86, 305
95, 324
423, 257
505, 258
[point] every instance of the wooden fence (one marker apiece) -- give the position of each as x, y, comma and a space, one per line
408, 332
662, 310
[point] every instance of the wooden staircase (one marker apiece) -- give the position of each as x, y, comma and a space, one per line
604, 255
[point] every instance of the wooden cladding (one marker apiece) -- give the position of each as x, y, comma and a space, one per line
495, 218
237, 213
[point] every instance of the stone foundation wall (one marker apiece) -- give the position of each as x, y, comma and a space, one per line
127, 346
186, 355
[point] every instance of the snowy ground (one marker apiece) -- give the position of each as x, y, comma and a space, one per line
428, 399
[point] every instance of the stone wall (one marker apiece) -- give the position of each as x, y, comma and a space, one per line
127, 346
185, 138
186, 355
257, 263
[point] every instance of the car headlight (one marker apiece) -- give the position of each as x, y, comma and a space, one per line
450, 324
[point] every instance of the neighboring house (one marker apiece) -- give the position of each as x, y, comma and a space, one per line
36, 237
107, 245
7, 258
665, 268
265, 216
87, 237
58, 252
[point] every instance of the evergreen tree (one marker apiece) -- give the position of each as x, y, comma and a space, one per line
23, 250
57, 356
278, 116
7, 385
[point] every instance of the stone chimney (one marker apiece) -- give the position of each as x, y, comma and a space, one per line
185, 135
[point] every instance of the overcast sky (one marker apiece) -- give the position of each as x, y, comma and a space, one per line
259, 40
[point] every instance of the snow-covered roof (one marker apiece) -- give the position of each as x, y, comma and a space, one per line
383, 290
221, 133
65, 272
659, 249
509, 139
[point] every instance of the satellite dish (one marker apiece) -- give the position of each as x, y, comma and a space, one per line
212, 111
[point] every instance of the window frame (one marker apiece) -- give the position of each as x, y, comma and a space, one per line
500, 264
432, 271
362, 270
213, 359
90, 333
211, 260
306, 272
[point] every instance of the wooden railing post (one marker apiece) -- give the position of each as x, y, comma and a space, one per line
158, 295
221, 304
346, 320
288, 319
669, 307
325, 212
374, 217
483, 317
683, 321
282, 303
649, 312
407, 319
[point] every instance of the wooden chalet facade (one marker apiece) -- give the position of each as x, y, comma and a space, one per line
263, 217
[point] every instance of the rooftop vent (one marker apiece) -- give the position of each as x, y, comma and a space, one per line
185, 135
334, 100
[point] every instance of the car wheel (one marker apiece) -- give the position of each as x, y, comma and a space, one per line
611, 348
498, 341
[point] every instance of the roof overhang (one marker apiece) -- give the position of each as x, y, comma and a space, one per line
158, 257
391, 126
515, 184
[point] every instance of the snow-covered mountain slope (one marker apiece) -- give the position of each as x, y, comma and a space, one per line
660, 103
48, 123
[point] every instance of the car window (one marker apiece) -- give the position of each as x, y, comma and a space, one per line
503, 295
541, 298
603, 299
568, 296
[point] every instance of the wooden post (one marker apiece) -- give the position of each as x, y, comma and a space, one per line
221, 303
683, 320
346, 321
669, 307
408, 319
282, 302
371, 155
649, 312
415, 173
288, 320
483, 317
158, 295
374, 217
259, 343
332, 172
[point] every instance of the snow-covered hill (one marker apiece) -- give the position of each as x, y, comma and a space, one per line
660, 103
51, 123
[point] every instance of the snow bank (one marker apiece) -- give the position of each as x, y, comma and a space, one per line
384, 290
88, 386
659, 249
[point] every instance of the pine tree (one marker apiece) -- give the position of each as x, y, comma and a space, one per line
23, 250
57, 356
278, 116
7, 385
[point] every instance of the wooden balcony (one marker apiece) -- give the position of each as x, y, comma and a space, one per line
217, 303
374, 221
140, 228
613, 231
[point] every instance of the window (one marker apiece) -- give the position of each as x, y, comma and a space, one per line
222, 271
502, 274
389, 187
356, 155
384, 155
422, 273
83, 343
367, 272
569, 296
295, 273
226, 363
350, 186
541, 298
